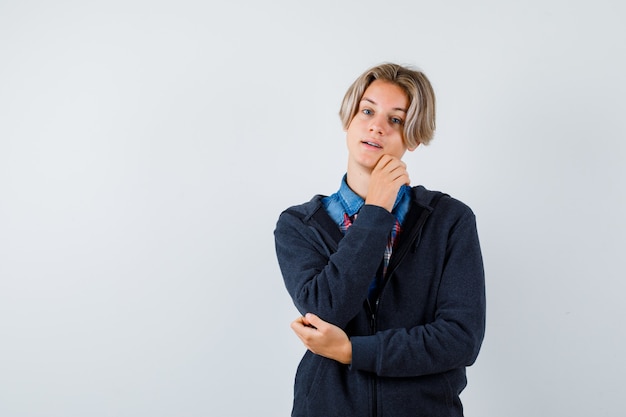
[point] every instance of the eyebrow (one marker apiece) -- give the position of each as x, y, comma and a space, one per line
373, 102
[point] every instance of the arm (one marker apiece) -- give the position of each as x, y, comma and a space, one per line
331, 285
334, 286
453, 339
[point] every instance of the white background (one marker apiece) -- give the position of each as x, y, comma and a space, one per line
147, 148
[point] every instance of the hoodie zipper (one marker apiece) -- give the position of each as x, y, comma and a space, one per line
373, 310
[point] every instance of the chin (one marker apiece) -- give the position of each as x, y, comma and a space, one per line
368, 165
365, 162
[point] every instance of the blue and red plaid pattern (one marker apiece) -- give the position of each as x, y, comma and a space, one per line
395, 231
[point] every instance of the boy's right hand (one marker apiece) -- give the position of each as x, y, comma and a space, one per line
386, 178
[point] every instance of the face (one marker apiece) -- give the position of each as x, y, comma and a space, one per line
378, 126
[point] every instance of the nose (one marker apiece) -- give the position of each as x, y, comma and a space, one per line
376, 125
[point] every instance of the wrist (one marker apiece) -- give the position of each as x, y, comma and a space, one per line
347, 353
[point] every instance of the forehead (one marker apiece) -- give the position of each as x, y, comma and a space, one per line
387, 94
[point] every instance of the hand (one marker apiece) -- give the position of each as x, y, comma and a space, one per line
323, 338
387, 177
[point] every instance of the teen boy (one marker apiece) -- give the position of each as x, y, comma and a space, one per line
388, 277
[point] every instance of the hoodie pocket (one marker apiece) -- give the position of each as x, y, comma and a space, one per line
309, 379
325, 388
428, 395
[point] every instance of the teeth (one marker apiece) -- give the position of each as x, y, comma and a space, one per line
373, 144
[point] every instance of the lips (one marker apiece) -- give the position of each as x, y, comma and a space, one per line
371, 143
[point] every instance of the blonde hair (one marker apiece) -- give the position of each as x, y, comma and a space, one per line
419, 126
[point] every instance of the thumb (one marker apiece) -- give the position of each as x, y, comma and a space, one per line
314, 320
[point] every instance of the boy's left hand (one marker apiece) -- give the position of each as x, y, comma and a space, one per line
323, 338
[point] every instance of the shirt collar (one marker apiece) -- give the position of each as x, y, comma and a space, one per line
352, 202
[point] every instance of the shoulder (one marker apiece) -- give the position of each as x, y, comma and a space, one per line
440, 203
450, 220
307, 221
303, 211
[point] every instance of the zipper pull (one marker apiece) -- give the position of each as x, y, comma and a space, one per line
373, 316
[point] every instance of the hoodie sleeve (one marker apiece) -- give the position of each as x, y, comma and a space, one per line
453, 338
331, 285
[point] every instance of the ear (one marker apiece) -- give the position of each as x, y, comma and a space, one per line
412, 148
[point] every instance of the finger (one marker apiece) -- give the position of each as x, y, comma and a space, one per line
303, 320
303, 339
301, 324
393, 165
301, 330
296, 324
401, 173
383, 161
396, 163
404, 179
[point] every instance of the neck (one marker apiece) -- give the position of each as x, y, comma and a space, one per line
358, 180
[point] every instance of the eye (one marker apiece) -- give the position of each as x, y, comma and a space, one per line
367, 111
396, 120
